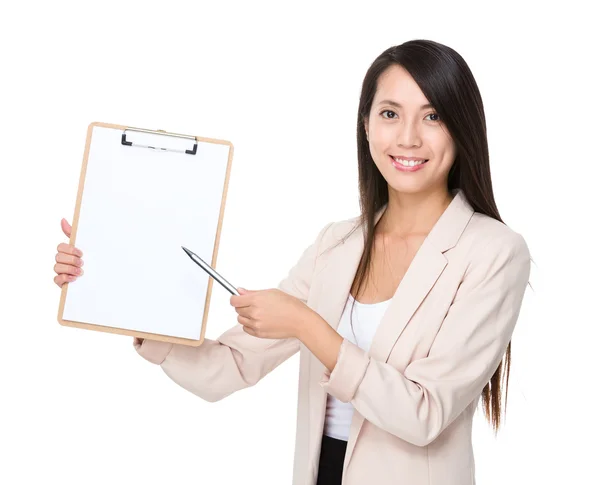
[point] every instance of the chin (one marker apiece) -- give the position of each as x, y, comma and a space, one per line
401, 183
408, 188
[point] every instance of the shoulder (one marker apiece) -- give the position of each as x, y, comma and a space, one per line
338, 231
483, 237
332, 235
486, 237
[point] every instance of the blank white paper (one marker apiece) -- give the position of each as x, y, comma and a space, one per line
139, 206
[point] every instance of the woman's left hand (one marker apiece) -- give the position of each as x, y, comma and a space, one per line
270, 313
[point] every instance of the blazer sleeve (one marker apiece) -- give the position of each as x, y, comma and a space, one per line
236, 359
418, 404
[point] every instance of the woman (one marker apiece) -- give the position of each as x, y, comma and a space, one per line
404, 313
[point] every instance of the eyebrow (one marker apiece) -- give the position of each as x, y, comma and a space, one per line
398, 105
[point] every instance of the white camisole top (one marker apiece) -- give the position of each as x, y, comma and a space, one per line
365, 320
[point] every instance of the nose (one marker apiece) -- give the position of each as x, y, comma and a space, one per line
408, 134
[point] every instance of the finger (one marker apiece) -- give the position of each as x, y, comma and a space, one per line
60, 268
239, 301
244, 311
66, 227
69, 249
61, 279
69, 259
245, 321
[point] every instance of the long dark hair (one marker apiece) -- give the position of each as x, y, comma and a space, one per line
448, 84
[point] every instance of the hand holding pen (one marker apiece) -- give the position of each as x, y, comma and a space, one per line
266, 313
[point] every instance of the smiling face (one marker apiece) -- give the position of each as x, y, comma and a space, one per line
399, 125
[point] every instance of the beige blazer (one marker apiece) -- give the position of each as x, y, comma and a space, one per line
415, 391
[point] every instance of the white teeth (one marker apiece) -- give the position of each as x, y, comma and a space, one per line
408, 163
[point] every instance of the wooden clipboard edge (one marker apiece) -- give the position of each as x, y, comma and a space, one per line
218, 235
73, 238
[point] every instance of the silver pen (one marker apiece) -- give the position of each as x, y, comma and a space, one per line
206, 267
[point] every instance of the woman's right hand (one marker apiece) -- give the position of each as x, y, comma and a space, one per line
68, 259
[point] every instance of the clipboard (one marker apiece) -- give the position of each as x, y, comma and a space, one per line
143, 194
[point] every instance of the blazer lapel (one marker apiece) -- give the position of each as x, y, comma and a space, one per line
426, 267
423, 272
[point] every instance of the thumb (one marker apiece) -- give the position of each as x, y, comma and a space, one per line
66, 227
244, 291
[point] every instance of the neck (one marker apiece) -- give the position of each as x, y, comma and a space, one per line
413, 213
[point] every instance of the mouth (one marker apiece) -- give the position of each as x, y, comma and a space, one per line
408, 163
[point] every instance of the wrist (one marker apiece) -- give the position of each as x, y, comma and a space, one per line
307, 324
321, 339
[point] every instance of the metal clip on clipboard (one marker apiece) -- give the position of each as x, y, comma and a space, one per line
162, 133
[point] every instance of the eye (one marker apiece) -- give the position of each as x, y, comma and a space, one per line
390, 111
386, 111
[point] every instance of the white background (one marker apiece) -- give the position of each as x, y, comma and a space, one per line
281, 81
